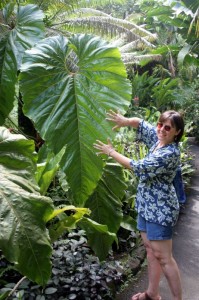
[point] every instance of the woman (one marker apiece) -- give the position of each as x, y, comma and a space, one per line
156, 201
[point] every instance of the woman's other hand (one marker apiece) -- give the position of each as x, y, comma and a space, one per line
110, 151
117, 118
103, 148
122, 121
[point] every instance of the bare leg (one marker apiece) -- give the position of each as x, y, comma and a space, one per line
159, 257
162, 250
154, 273
154, 269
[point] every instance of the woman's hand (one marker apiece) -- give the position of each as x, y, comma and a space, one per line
117, 118
110, 151
104, 148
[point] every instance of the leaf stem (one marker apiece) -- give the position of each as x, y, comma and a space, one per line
16, 286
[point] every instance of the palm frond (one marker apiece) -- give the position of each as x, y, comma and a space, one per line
78, 13
95, 3
196, 21
108, 26
90, 12
138, 44
130, 26
133, 58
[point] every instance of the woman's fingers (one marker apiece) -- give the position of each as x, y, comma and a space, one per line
109, 142
100, 142
117, 118
115, 127
112, 115
104, 148
98, 145
111, 112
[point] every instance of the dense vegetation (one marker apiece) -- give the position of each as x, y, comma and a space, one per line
66, 214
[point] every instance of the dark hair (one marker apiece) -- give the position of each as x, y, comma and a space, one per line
176, 121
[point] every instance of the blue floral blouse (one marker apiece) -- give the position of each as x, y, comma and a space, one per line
156, 198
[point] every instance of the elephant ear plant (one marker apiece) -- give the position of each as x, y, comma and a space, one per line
66, 85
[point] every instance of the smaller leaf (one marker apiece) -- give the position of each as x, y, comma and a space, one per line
56, 212
50, 291
128, 223
66, 222
99, 238
47, 166
182, 54
72, 296
39, 297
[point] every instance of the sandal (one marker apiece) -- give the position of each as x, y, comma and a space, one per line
146, 296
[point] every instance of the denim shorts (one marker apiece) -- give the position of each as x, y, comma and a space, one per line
154, 232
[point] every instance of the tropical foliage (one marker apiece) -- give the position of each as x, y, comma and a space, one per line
65, 81
177, 24
67, 85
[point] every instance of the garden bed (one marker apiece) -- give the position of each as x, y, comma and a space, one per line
76, 272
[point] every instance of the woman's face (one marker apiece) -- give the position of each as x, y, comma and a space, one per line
166, 132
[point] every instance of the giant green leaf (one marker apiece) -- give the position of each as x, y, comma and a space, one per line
24, 239
67, 87
20, 29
